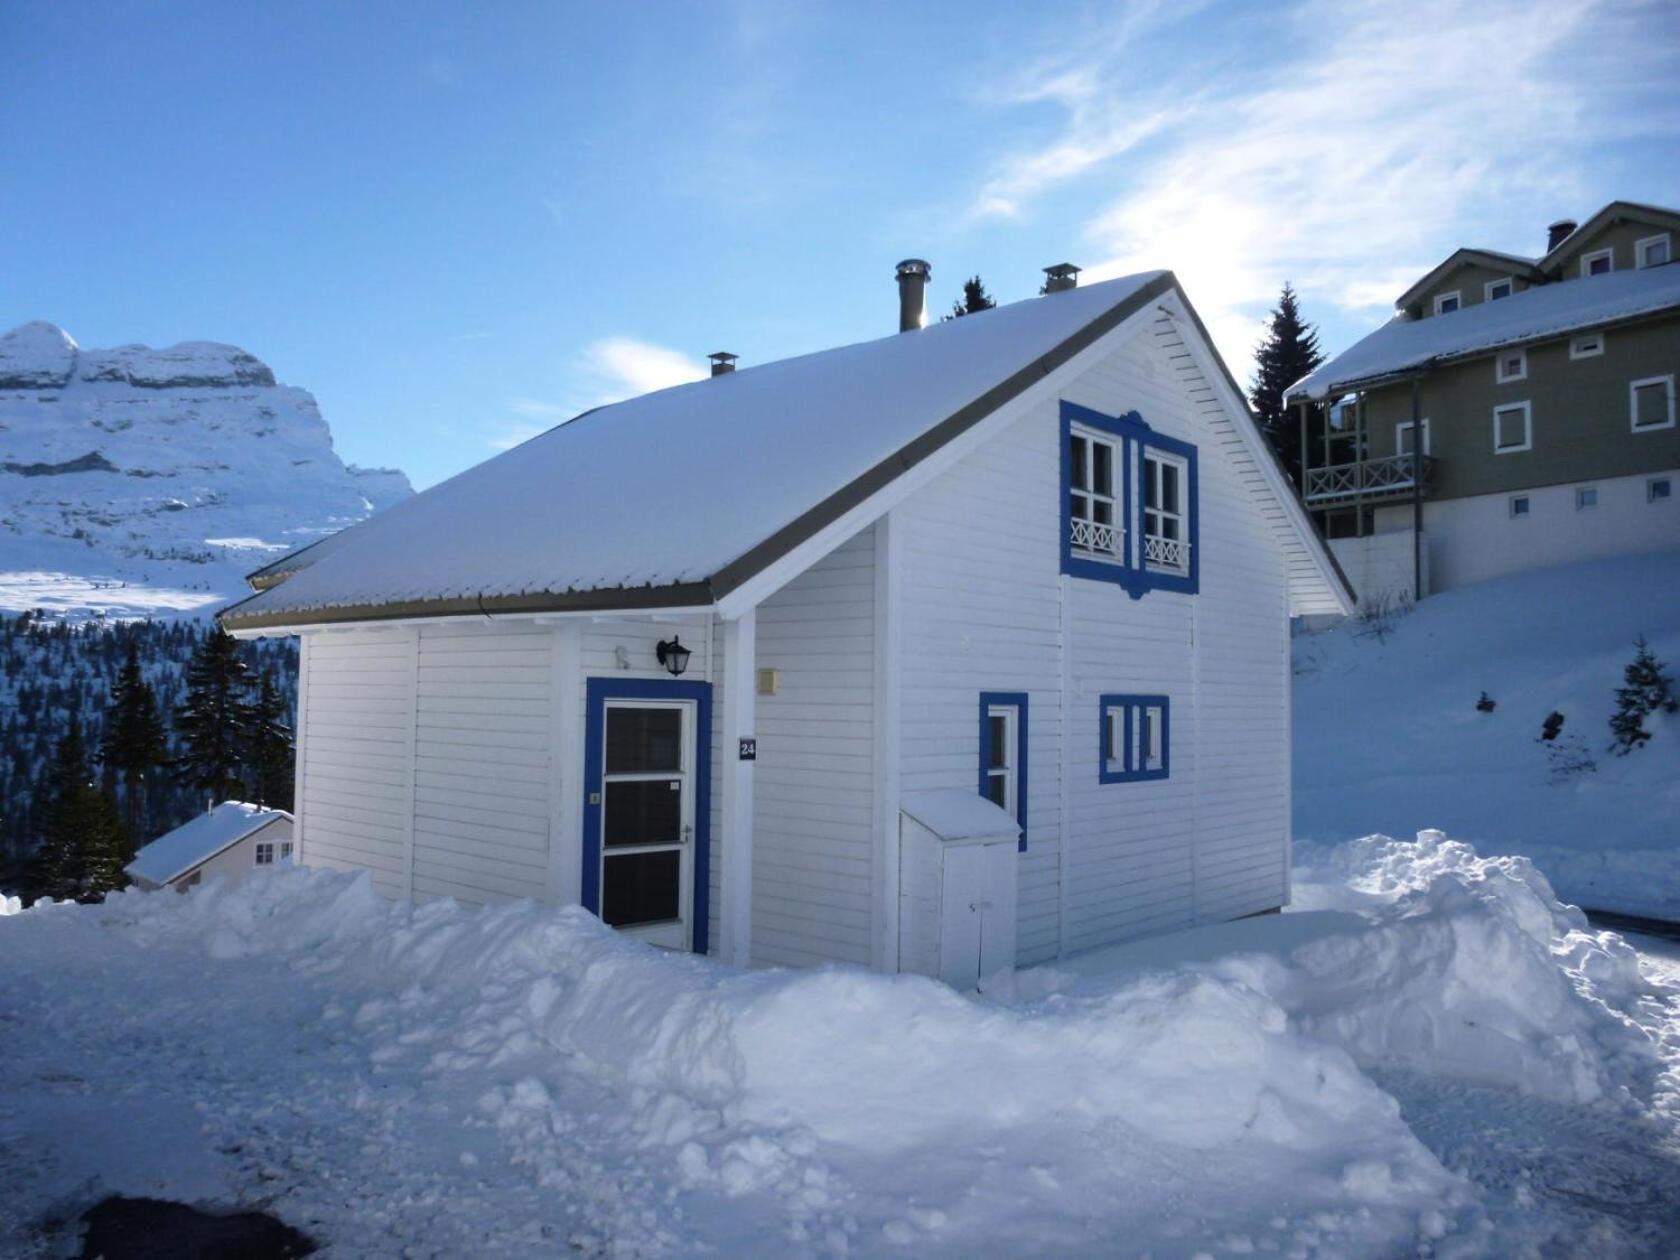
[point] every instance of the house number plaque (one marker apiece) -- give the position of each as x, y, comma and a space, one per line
749, 750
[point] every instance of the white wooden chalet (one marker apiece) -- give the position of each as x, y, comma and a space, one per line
729, 663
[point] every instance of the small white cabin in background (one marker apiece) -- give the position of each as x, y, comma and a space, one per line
229, 841
708, 661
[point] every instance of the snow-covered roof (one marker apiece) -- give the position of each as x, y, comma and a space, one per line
676, 498
955, 814
1548, 310
192, 844
1472, 256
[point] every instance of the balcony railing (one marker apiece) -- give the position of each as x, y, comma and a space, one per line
1166, 553
1392, 477
1102, 541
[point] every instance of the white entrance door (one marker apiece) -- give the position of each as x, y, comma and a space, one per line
647, 820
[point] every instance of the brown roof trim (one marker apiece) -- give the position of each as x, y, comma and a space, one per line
759, 557
803, 527
614, 599
914, 452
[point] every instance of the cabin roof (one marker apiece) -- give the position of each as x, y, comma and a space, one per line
675, 498
192, 844
1402, 346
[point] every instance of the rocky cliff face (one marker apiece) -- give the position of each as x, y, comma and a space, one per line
139, 481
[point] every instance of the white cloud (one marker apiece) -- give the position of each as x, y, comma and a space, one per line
1388, 134
608, 370
622, 367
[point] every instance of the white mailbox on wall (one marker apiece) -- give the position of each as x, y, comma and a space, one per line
956, 887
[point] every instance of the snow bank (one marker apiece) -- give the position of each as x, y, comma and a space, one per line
1468, 966
837, 1086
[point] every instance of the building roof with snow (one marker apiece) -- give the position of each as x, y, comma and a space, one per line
192, 844
675, 498
1403, 346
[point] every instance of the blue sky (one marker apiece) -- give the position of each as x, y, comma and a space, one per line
458, 224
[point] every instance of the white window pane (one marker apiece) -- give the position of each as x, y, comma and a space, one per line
1077, 464
1102, 465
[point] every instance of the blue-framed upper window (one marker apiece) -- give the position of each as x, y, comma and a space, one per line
1129, 503
1135, 738
1003, 754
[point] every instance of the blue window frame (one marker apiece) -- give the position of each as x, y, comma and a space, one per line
1134, 738
597, 692
1003, 753
1129, 503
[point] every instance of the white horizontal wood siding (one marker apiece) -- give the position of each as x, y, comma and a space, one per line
483, 744
356, 757
985, 609
814, 820
1242, 661
1210, 841
981, 612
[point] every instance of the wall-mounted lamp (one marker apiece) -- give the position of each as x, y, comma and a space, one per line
673, 655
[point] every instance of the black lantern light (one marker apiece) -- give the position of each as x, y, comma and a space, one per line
673, 656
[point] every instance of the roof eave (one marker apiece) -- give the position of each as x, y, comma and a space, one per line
614, 599
1464, 256
1400, 375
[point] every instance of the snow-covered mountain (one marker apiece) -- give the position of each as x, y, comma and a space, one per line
136, 481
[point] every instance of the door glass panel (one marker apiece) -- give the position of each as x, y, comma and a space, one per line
1076, 462
643, 811
997, 790
642, 887
643, 741
1102, 456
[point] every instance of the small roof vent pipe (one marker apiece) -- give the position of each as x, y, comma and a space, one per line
913, 275
1556, 232
1060, 278
722, 361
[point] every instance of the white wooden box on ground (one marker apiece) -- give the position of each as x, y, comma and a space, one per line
957, 858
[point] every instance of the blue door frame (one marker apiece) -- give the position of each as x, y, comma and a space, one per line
598, 692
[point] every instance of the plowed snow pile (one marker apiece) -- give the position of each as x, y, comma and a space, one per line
520, 1079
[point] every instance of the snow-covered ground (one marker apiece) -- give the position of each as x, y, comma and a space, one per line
1388, 736
1431, 1057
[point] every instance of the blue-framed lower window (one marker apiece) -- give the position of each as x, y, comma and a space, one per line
1134, 738
597, 693
1129, 503
1003, 753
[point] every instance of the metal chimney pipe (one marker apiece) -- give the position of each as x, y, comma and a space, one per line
1060, 278
722, 361
913, 275
1556, 232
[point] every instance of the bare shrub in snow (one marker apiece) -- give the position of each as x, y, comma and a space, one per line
1567, 759
1378, 617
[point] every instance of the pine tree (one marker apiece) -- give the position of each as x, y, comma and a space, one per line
1289, 352
80, 854
213, 720
268, 752
133, 746
974, 299
1646, 688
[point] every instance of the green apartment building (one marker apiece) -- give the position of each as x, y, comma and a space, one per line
1544, 393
